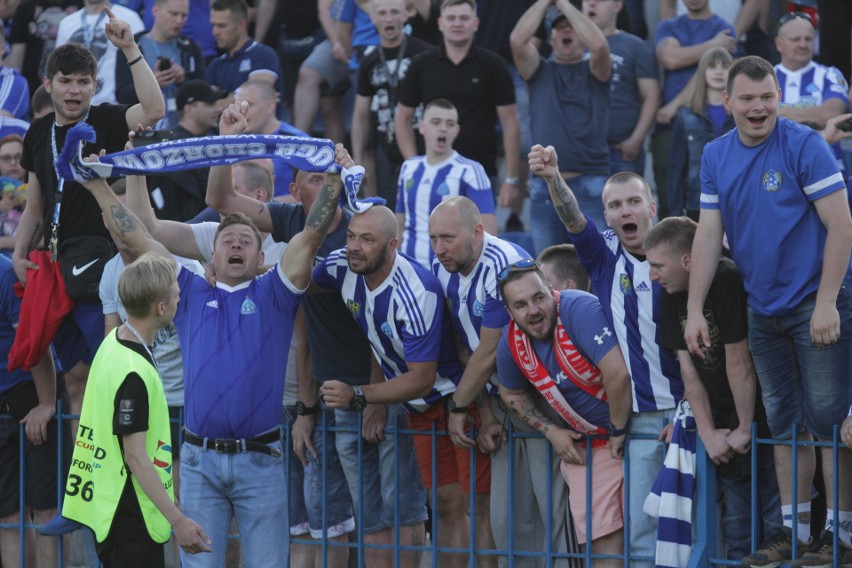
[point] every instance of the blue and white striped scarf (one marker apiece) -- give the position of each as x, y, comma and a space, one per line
308, 154
671, 496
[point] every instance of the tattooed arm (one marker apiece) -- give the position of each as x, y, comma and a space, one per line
543, 164
297, 260
135, 240
521, 404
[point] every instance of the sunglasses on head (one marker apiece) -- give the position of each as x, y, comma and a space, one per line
520, 266
794, 16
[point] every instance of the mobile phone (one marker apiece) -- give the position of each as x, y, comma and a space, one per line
846, 125
145, 137
164, 63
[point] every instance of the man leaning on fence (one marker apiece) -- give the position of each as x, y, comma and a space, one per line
773, 187
561, 344
721, 386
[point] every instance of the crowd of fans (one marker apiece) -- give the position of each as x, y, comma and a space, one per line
674, 156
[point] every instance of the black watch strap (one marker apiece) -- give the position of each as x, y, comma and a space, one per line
454, 408
304, 410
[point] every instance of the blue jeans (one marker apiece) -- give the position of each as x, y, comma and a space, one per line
310, 488
645, 460
802, 384
548, 229
617, 163
215, 487
371, 476
735, 490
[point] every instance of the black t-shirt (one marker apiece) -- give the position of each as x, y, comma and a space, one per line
298, 17
725, 311
497, 19
427, 30
80, 214
35, 24
476, 86
130, 412
376, 81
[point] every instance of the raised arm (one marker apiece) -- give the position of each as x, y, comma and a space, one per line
151, 107
600, 63
175, 236
298, 258
674, 56
135, 238
524, 52
543, 164
221, 194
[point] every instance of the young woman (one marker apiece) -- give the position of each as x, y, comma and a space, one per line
694, 126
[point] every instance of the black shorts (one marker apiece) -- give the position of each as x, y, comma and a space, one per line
128, 544
40, 470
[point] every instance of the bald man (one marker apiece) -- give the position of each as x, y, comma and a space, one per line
399, 306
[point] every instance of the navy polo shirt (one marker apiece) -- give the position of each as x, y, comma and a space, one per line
476, 86
228, 73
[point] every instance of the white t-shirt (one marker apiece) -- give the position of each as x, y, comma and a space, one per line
88, 29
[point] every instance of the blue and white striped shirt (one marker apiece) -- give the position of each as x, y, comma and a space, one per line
403, 319
631, 302
423, 186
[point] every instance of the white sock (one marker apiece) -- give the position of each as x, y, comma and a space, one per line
802, 530
844, 518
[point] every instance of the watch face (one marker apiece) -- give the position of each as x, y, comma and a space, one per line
358, 402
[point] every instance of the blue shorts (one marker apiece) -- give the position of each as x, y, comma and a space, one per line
309, 492
375, 487
803, 384
80, 335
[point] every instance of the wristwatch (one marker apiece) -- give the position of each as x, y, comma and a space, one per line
359, 401
304, 410
454, 408
616, 432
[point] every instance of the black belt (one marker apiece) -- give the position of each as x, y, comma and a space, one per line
229, 446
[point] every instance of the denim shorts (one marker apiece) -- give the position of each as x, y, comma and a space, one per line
310, 487
803, 384
375, 487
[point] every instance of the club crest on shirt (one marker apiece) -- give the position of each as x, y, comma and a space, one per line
354, 307
387, 329
625, 284
248, 307
409, 183
478, 308
245, 65
771, 181
443, 189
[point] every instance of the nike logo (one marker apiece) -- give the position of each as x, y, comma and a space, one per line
78, 271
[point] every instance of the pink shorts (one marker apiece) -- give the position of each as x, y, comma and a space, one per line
607, 494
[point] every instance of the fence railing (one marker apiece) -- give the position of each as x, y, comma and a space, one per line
705, 517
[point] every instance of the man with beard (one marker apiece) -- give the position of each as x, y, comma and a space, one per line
399, 306
467, 262
560, 342
615, 261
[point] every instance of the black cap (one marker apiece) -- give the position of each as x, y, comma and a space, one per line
197, 90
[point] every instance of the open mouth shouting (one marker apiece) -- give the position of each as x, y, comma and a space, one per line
236, 259
630, 230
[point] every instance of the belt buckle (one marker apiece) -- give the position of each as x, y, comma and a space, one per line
224, 446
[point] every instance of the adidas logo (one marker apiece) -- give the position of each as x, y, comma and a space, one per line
642, 287
213, 304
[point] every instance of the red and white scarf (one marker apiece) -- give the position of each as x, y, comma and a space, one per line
581, 372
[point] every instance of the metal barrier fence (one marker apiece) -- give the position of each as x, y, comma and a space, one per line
704, 550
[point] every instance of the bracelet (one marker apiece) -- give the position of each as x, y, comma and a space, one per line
135, 61
512, 181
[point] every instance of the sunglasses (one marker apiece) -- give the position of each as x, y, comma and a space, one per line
520, 266
786, 18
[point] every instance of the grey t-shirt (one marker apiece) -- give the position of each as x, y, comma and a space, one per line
632, 59
569, 109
